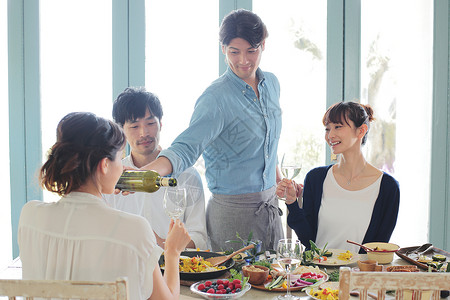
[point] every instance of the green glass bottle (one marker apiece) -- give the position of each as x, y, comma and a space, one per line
143, 181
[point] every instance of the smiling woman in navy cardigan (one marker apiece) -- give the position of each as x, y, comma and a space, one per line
351, 200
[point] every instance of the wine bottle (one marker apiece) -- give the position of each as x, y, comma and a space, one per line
143, 181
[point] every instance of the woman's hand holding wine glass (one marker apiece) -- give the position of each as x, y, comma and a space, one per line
177, 238
290, 168
289, 253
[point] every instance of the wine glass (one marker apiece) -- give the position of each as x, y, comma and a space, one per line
290, 168
175, 202
289, 253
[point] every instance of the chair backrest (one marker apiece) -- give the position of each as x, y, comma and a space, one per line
418, 284
64, 289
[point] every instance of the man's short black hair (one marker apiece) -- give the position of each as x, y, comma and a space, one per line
132, 104
243, 24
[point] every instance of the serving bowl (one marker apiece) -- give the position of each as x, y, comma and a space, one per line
255, 277
194, 289
380, 256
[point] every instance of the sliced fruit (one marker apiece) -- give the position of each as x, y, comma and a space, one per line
439, 257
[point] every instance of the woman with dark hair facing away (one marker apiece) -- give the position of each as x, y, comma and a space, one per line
351, 200
79, 237
236, 125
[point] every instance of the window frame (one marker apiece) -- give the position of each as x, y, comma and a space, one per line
24, 102
343, 30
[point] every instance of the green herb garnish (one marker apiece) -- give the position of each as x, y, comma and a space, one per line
317, 250
333, 275
238, 275
263, 263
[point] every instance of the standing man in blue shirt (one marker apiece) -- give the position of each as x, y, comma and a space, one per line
236, 125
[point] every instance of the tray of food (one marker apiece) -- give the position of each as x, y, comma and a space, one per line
328, 257
337, 257
301, 277
193, 266
434, 258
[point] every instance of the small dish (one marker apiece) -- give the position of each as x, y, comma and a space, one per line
256, 277
194, 289
369, 265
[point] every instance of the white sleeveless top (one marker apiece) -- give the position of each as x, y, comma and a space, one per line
344, 215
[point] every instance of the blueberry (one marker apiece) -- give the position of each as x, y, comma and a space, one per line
445, 294
238, 290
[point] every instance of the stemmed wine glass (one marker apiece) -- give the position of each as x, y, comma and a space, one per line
175, 202
290, 168
289, 253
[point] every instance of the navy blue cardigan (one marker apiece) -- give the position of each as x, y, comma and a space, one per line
382, 223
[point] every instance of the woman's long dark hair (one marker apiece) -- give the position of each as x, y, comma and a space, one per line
83, 140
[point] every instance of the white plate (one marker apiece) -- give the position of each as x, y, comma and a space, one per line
219, 296
310, 292
334, 261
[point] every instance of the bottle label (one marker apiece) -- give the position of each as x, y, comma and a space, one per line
167, 181
164, 181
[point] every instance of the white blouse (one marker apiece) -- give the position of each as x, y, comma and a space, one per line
345, 215
81, 238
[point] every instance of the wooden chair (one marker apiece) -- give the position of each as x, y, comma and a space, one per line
418, 284
64, 289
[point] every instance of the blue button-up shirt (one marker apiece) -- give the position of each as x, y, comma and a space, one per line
237, 133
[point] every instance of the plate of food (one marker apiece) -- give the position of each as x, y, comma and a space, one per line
327, 291
220, 289
301, 277
337, 257
434, 257
194, 267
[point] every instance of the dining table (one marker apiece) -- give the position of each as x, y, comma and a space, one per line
14, 271
257, 294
